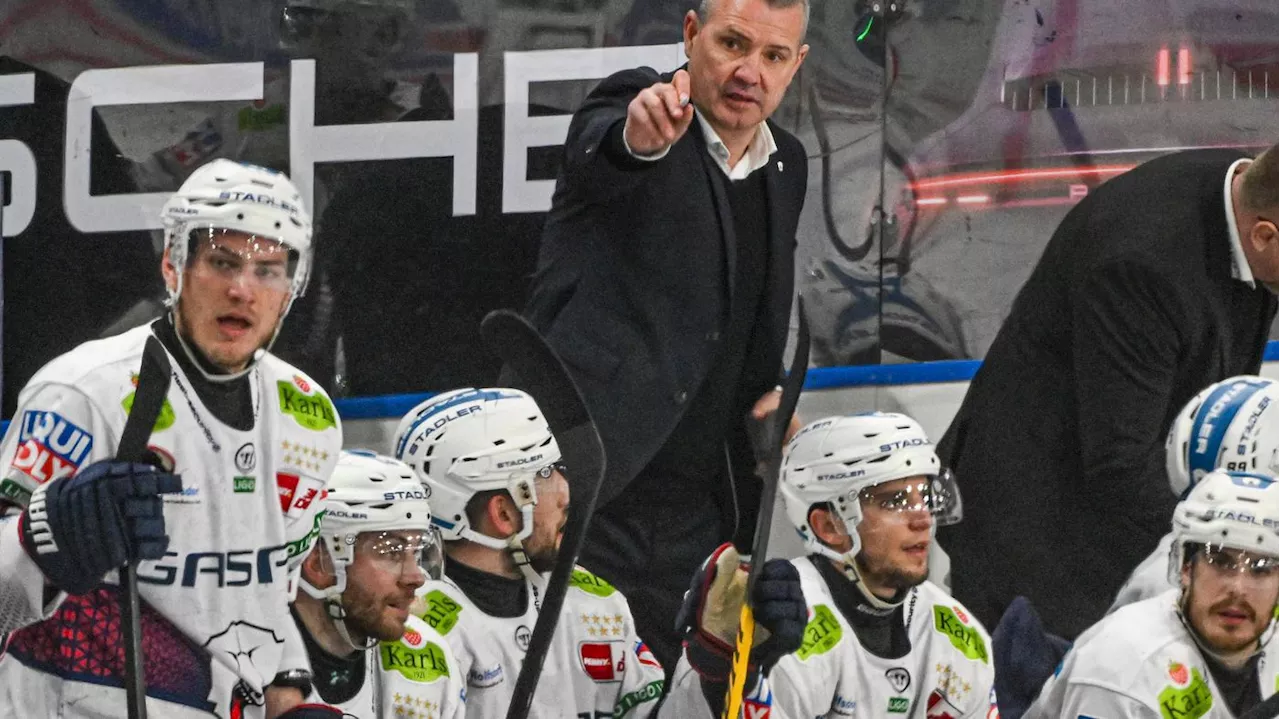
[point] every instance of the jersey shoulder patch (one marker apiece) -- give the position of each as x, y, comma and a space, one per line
962, 630
591, 584
440, 611
821, 634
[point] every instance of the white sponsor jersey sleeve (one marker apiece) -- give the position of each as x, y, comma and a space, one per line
596, 666
1140, 662
1151, 578
948, 672
215, 612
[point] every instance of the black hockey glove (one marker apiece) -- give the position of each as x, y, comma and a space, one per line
709, 616
78, 528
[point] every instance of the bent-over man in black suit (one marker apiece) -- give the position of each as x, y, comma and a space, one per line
665, 280
1159, 283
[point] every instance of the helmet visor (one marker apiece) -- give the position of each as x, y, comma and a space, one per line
398, 552
1230, 560
235, 256
938, 495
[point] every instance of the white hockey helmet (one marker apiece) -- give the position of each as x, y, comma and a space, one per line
836, 459
475, 440
1233, 425
1235, 510
228, 195
372, 493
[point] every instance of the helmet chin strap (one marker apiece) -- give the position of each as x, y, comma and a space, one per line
515, 547
199, 363
331, 597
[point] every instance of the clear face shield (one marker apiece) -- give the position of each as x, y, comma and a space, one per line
1231, 563
232, 256
938, 495
404, 551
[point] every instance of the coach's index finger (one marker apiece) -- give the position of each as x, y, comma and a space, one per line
680, 81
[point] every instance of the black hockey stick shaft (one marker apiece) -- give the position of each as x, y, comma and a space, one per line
541, 373
148, 400
775, 429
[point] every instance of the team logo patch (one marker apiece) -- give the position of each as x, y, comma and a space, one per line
483, 678
968, 639
645, 657
1191, 699
939, 707
522, 637
246, 457
311, 411
296, 492
899, 678
50, 446
603, 661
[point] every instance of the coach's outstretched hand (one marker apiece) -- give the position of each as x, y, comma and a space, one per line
78, 528
659, 116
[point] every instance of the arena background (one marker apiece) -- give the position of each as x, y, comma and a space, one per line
945, 142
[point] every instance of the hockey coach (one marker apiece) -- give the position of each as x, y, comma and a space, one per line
1159, 283
665, 281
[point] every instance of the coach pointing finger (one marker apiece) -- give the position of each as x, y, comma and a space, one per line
665, 282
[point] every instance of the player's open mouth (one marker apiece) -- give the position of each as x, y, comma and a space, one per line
917, 550
1233, 616
234, 325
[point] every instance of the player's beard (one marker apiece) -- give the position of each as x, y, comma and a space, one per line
889, 575
366, 616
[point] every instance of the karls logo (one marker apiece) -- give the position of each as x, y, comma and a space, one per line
603, 661
50, 446
313, 412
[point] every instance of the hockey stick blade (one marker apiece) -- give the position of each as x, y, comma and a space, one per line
540, 372
148, 400
775, 433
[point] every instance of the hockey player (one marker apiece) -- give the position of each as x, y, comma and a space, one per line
1206, 649
1233, 425
246, 442
370, 657
865, 493
501, 502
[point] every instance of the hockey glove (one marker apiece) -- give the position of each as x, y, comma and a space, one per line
313, 711
709, 616
78, 528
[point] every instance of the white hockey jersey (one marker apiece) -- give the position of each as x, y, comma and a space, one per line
1140, 662
948, 674
596, 666
215, 616
415, 675
1151, 578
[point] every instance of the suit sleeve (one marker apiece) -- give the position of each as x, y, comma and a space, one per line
597, 164
1126, 338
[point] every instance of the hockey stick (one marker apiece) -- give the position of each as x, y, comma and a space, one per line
544, 376
774, 432
148, 400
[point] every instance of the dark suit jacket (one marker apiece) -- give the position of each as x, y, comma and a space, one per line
1059, 444
634, 273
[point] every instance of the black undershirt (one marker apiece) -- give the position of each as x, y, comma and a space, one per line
231, 402
881, 632
337, 679
492, 594
1237, 687
695, 449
